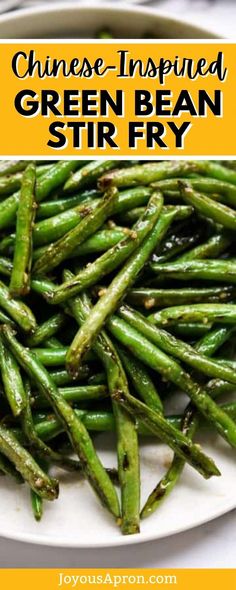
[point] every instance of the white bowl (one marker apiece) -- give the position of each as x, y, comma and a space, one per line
70, 20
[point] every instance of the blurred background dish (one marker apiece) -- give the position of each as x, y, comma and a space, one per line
72, 20
9, 4
218, 16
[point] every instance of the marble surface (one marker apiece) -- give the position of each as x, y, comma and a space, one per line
210, 546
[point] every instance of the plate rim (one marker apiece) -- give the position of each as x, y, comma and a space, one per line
121, 541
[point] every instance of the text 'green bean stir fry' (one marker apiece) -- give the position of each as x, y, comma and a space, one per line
117, 290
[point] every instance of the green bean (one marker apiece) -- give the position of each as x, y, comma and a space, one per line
149, 298
12, 166
172, 197
111, 259
79, 369
41, 169
5, 266
12, 382
74, 394
17, 310
214, 247
182, 445
61, 377
182, 212
50, 357
144, 174
229, 164
227, 362
63, 248
52, 342
189, 426
224, 191
210, 343
170, 369
97, 379
171, 477
8, 210
47, 329
193, 331
7, 245
150, 173
131, 216
55, 177
208, 207
103, 240
56, 206
40, 482
100, 242
181, 350
52, 229
210, 270
22, 261
4, 319
49, 230
130, 198
177, 241
214, 170
36, 443
117, 289
6, 468
42, 285
50, 180
217, 387
127, 442
198, 312
77, 433
9, 184
37, 505
88, 174
141, 380
36, 500
48, 426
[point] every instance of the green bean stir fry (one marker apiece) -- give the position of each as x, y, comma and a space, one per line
117, 291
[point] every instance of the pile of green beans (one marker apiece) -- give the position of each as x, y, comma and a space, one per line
117, 291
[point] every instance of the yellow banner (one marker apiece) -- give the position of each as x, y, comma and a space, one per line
151, 579
117, 98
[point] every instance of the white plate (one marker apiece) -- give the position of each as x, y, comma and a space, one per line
77, 520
